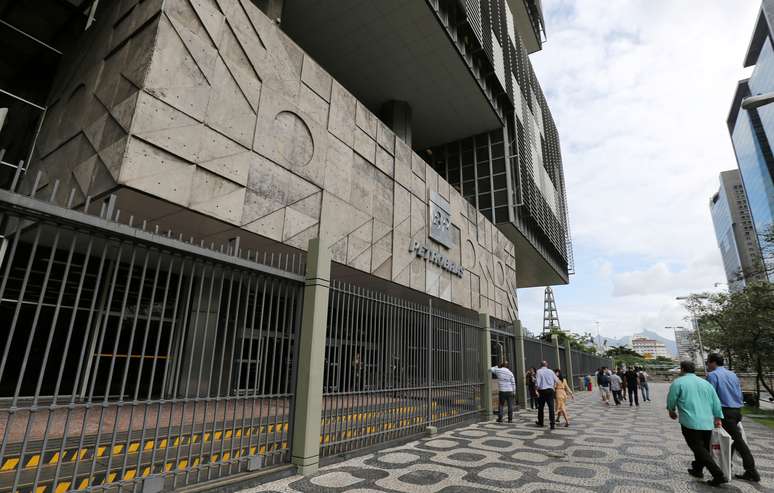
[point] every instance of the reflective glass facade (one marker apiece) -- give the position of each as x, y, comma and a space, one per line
752, 130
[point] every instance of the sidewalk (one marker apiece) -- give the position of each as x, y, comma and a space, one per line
621, 450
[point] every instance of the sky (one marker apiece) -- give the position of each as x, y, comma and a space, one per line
640, 92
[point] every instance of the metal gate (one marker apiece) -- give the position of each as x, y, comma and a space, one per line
503, 347
393, 367
132, 357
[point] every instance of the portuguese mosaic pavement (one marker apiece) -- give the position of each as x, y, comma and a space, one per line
620, 450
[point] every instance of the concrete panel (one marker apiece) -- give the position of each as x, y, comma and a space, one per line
216, 196
385, 161
157, 172
365, 145
228, 111
338, 168
313, 105
174, 76
290, 137
341, 120
365, 120
316, 78
385, 137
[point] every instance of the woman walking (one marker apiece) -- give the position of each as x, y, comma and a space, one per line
531, 388
562, 391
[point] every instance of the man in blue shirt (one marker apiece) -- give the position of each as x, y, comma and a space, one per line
545, 383
729, 391
699, 411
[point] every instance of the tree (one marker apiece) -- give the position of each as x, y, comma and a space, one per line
578, 342
763, 267
740, 325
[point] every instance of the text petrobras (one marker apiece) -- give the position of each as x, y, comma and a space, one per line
436, 258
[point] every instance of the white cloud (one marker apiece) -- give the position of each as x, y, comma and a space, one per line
660, 279
640, 91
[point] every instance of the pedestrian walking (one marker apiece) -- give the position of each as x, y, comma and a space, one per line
603, 382
562, 391
729, 391
587, 382
531, 388
644, 377
694, 401
546, 383
506, 385
615, 388
622, 373
632, 386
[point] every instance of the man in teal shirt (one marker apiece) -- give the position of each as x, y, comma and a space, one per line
697, 404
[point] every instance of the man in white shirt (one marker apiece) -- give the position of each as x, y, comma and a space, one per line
545, 384
506, 384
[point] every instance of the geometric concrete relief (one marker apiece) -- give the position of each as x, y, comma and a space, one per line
207, 104
293, 139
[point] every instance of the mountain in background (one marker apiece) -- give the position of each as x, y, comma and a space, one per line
610, 342
670, 345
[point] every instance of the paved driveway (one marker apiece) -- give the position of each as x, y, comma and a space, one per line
622, 450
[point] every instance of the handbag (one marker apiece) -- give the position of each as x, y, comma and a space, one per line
720, 449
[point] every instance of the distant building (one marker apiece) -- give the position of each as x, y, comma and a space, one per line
650, 348
751, 122
735, 231
687, 348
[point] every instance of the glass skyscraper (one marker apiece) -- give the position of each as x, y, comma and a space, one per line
751, 122
735, 231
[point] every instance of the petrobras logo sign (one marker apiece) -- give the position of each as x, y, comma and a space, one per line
437, 258
440, 221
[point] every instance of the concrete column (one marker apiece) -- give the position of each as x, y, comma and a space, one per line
311, 356
486, 361
568, 364
520, 366
555, 341
397, 116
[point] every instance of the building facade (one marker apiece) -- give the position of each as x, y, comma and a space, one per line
650, 348
751, 122
687, 347
735, 232
402, 148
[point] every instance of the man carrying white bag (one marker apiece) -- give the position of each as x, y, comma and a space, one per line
720, 448
729, 391
694, 401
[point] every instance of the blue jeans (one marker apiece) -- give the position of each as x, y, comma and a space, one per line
502, 399
645, 391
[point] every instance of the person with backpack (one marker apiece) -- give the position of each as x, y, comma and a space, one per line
603, 382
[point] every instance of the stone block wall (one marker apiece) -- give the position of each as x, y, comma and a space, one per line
216, 110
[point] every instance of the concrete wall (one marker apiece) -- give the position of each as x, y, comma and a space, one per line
233, 120
85, 131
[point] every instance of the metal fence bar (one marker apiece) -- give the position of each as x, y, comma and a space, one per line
394, 367
104, 377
